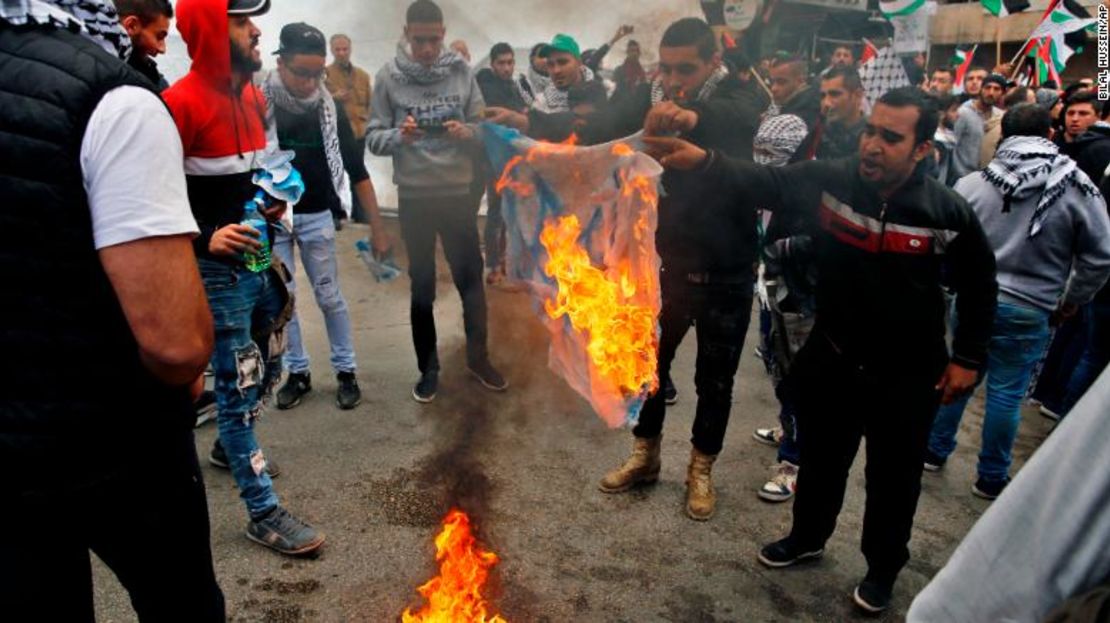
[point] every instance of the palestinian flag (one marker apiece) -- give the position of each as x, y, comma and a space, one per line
898, 8
1002, 8
962, 62
1066, 23
1046, 61
869, 52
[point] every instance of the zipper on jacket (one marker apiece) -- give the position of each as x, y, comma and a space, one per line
882, 227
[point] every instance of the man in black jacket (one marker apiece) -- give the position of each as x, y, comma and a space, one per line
876, 364
708, 249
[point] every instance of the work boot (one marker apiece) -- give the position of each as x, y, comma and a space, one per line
641, 468
700, 498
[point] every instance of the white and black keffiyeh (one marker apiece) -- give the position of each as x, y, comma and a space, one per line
659, 94
96, 19
883, 73
1024, 165
322, 103
558, 100
405, 70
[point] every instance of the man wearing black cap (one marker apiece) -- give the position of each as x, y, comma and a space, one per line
308, 121
220, 117
971, 125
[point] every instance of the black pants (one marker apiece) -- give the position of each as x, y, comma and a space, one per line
455, 221
837, 405
721, 313
150, 526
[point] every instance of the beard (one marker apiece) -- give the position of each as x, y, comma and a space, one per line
242, 61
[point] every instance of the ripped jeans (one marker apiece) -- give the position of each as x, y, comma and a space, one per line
245, 373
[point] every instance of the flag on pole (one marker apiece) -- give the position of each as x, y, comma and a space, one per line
882, 73
962, 61
897, 8
1002, 8
1047, 62
1066, 23
869, 52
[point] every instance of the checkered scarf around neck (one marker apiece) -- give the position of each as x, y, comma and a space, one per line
1028, 165
95, 19
777, 138
659, 94
558, 100
406, 70
277, 96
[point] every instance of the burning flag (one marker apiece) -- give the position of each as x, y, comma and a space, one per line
455, 595
581, 227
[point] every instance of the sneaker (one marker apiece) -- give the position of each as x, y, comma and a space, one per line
768, 436
349, 395
488, 376
782, 485
670, 392
282, 532
1049, 413
205, 407
989, 489
218, 458
425, 389
296, 386
933, 462
872, 597
785, 553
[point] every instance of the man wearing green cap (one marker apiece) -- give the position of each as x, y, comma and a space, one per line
553, 116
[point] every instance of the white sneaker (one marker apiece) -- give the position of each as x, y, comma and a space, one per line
782, 485
768, 436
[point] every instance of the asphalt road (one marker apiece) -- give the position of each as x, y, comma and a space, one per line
379, 479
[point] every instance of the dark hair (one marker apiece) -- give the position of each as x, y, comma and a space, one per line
977, 68
1081, 97
845, 46
1072, 89
944, 70
424, 12
738, 59
632, 42
1018, 95
691, 31
850, 76
945, 101
1026, 120
784, 59
928, 116
500, 49
536, 49
588, 93
145, 10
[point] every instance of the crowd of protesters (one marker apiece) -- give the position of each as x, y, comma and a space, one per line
967, 220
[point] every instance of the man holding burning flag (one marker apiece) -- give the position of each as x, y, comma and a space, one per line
876, 364
708, 251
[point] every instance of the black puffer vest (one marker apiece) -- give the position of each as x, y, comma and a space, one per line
76, 404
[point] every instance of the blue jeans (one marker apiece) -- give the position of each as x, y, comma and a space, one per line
315, 235
245, 372
1095, 357
1017, 342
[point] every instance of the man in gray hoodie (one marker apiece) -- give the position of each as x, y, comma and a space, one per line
1045, 220
423, 109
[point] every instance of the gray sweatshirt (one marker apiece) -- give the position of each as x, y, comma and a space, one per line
435, 165
969, 130
1033, 270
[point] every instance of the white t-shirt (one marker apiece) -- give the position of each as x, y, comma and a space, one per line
133, 166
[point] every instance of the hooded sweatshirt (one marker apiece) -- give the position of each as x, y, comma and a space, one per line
221, 129
434, 165
1043, 218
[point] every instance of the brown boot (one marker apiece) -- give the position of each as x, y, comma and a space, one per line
641, 468
700, 498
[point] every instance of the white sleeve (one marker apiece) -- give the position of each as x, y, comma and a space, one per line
133, 167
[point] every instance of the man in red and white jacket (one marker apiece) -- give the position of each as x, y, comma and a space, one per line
220, 116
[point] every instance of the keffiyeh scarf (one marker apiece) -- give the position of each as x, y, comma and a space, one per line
95, 19
405, 70
1027, 165
320, 102
659, 94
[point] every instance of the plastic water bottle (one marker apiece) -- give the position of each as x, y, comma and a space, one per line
385, 270
257, 261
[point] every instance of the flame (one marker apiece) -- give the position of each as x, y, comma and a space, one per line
622, 341
455, 595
